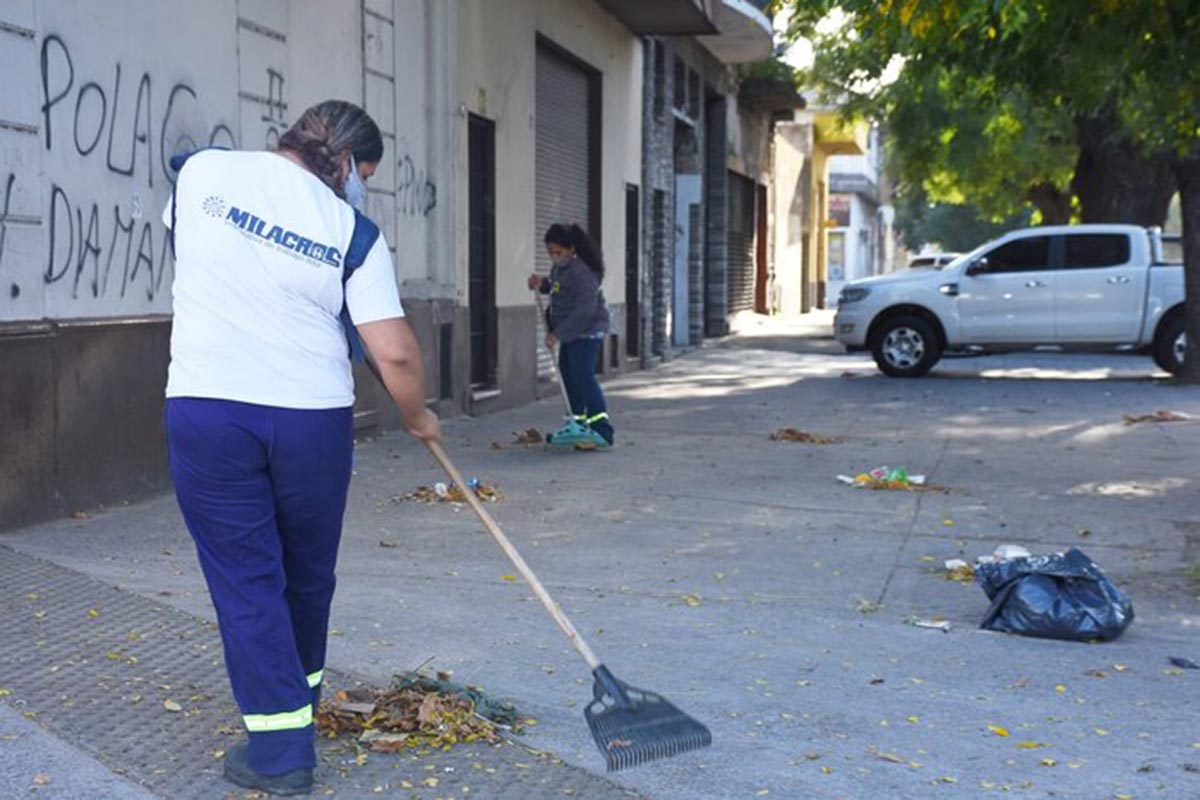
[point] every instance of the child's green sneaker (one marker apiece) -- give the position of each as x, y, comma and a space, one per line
593, 441
570, 434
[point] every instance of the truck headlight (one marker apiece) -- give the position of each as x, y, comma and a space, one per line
852, 294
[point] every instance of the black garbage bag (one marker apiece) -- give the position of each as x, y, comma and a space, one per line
1054, 597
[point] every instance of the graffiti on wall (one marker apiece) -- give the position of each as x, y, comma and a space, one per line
275, 115
416, 193
14, 290
98, 246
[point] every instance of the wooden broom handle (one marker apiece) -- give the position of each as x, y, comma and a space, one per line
509, 550
554, 357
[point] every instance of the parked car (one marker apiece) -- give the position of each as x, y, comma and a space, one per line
1086, 288
932, 260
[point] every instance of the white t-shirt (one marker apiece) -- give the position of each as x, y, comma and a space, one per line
258, 290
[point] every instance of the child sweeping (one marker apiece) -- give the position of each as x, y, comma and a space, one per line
577, 321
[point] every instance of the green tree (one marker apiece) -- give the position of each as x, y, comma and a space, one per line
953, 227
1116, 80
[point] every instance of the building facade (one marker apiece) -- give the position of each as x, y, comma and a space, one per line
499, 119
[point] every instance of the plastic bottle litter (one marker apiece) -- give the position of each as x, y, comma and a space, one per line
937, 625
1007, 552
883, 478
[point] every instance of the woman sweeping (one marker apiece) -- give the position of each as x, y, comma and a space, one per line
577, 322
277, 273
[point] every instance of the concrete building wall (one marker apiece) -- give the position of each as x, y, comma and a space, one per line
496, 79
97, 97
692, 141
792, 231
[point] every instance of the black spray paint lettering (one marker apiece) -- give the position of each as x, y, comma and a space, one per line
416, 193
14, 290
71, 259
93, 113
276, 108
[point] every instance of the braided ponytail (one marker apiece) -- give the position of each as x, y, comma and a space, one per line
327, 131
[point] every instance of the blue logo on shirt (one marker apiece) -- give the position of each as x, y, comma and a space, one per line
287, 240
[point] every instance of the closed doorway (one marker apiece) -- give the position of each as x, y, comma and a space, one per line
633, 301
481, 269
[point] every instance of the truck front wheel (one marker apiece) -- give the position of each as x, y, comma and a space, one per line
1170, 343
905, 346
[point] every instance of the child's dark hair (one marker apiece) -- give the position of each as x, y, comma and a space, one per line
574, 236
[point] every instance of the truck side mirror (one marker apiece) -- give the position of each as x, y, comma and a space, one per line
977, 267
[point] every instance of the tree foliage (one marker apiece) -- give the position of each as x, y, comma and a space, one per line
1000, 93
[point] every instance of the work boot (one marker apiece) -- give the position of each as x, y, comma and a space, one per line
237, 770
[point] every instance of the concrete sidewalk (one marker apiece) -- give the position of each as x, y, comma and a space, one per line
738, 578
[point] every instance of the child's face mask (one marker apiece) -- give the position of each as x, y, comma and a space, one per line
356, 190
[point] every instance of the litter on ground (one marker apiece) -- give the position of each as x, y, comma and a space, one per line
451, 493
417, 711
959, 570
894, 478
1162, 415
935, 624
527, 437
803, 437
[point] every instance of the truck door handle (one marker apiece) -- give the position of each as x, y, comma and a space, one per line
1118, 279
1034, 285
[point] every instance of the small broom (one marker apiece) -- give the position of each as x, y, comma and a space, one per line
631, 726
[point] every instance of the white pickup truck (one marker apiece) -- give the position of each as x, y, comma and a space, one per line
1088, 288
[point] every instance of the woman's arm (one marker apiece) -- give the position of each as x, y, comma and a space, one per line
395, 358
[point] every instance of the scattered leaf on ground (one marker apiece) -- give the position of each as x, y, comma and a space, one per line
803, 437
891, 758
1030, 745
996, 729
171, 705
528, 436
691, 600
42, 779
1161, 415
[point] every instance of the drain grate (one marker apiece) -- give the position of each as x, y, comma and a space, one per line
103, 669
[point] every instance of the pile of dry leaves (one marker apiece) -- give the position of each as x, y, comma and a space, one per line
392, 720
803, 437
451, 493
527, 437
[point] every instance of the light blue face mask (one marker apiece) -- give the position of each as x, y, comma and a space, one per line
356, 190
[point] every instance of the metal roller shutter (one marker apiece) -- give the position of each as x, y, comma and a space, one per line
563, 161
740, 275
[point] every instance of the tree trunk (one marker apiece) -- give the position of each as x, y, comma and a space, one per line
1053, 203
1115, 182
1187, 176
